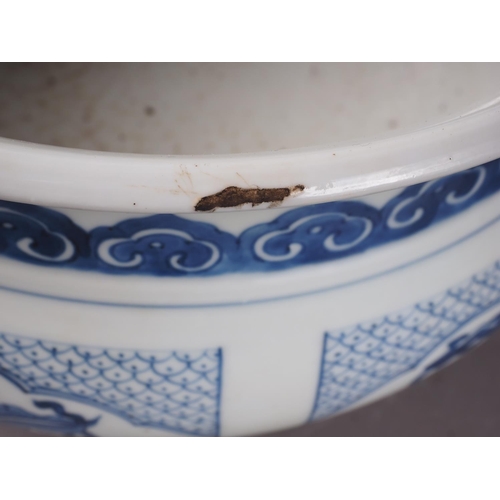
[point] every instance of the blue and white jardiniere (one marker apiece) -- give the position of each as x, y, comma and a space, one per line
241, 294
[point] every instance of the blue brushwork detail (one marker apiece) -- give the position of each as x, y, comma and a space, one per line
40, 236
461, 345
165, 245
168, 245
58, 421
361, 359
170, 390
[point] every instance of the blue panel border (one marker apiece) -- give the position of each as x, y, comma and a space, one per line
361, 359
175, 390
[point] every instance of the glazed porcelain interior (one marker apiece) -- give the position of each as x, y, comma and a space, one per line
198, 108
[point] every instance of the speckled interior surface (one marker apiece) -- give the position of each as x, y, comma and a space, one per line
198, 108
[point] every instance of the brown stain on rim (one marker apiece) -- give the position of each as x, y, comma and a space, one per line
233, 196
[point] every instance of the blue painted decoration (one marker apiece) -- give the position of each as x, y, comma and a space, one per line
358, 360
461, 345
59, 421
175, 391
168, 245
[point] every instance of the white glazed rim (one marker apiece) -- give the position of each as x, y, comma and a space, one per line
80, 179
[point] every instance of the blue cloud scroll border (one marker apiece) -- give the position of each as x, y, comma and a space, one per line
169, 245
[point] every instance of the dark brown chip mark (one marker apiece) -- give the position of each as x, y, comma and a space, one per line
234, 196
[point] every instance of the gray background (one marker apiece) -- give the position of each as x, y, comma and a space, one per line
460, 400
